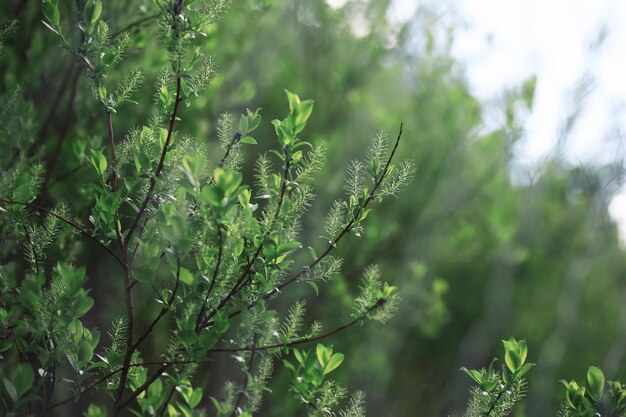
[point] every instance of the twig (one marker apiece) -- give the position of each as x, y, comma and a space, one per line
68, 222
130, 319
135, 24
159, 168
335, 241
118, 232
245, 378
304, 340
213, 279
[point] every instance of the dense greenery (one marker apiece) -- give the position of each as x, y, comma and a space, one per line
477, 256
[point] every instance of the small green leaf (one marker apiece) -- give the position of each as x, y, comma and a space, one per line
51, 12
333, 363
185, 276
475, 375
243, 125
595, 382
162, 137
249, 140
323, 354
195, 398
24, 378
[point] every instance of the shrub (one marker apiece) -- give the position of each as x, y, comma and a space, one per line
211, 250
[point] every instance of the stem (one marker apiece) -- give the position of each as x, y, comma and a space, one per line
200, 319
135, 24
303, 340
335, 241
69, 223
245, 379
118, 232
241, 282
159, 168
130, 318
144, 386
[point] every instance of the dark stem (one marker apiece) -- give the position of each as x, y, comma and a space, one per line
244, 385
200, 318
144, 386
335, 241
136, 23
69, 223
130, 318
304, 340
241, 282
118, 232
159, 168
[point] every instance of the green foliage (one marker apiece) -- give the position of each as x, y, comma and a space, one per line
195, 241
499, 391
597, 397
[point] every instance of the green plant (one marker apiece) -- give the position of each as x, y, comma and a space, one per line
210, 250
498, 391
597, 398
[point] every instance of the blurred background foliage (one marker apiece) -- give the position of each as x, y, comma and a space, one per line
477, 255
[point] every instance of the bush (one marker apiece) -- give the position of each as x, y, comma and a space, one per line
210, 251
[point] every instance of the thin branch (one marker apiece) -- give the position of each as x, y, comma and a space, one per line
304, 340
130, 319
164, 309
136, 23
200, 319
159, 168
69, 223
242, 281
246, 379
118, 232
335, 241
144, 386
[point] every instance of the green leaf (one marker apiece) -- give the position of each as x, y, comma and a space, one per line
243, 125
93, 10
595, 382
513, 360
288, 247
323, 354
8, 385
333, 363
249, 140
162, 137
51, 12
524, 369
314, 286
185, 276
24, 378
195, 398
294, 100
475, 375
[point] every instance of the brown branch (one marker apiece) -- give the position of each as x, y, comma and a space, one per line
159, 168
69, 223
144, 386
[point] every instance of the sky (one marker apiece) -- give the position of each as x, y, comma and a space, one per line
566, 44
